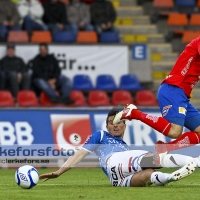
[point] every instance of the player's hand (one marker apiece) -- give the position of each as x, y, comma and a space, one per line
48, 176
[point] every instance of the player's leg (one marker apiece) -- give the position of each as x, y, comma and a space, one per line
192, 122
172, 102
149, 176
178, 160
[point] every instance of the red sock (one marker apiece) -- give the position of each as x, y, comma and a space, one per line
185, 140
158, 123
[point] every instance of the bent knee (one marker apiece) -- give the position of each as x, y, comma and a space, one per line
175, 131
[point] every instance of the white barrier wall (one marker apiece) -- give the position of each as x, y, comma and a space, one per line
82, 59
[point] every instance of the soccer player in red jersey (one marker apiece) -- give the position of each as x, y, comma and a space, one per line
174, 102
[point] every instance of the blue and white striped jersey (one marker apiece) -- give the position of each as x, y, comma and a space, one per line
104, 144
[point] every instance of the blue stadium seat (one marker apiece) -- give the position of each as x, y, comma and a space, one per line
64, 36
109, 37
185, 3
130, 82
105, 82
82, 82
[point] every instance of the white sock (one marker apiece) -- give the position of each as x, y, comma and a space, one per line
177, 160
159, 178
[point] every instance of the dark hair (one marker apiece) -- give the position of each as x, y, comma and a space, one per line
44, 44
113, 112
10, 46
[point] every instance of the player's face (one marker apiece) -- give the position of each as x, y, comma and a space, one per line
116, 129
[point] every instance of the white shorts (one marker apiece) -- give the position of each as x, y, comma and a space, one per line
121, 166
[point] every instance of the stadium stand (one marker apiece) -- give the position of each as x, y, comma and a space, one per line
185, 3
121, 97
45, 101
82, 82
145, 98
130, 82
194, 20
64, 37
78, 96
98, 98
27, 98
41, 37
18, 37
87, 37
189, 35
109, 37
105, 82
6, 99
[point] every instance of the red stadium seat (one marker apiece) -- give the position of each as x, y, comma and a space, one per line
98, 98
41, 37
145, 98
194, 19
6, 98
189, 35
27, 98
18, 36
78, 96
121, 97
163, 4
87, 37
45, 101
177, 19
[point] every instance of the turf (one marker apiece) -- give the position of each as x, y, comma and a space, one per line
92, 184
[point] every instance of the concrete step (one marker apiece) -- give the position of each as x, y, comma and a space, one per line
156, 38
196, 93
195, 102
160, 48
156, 84
128, 2
164, 57
129, 11
159, 75
162, 65
132, 20
142, 38
142, 19
120, 3
170, 56
137, 29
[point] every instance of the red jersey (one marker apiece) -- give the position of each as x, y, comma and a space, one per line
186, 71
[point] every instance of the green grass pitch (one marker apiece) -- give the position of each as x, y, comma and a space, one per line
92, 184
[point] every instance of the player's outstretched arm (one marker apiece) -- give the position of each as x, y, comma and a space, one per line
71, 162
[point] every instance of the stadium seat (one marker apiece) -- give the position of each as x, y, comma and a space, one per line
82, 82
185, 3
121, 97
145, 98
78, 96
87, 37
98, 98
65, 1
130, 82
105, 82
64, 36
45, 101
6, 98
177, 19
194, 20
189, 35
109, 37
163, 4
88, 1
27, 98
18, 36
41, 37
